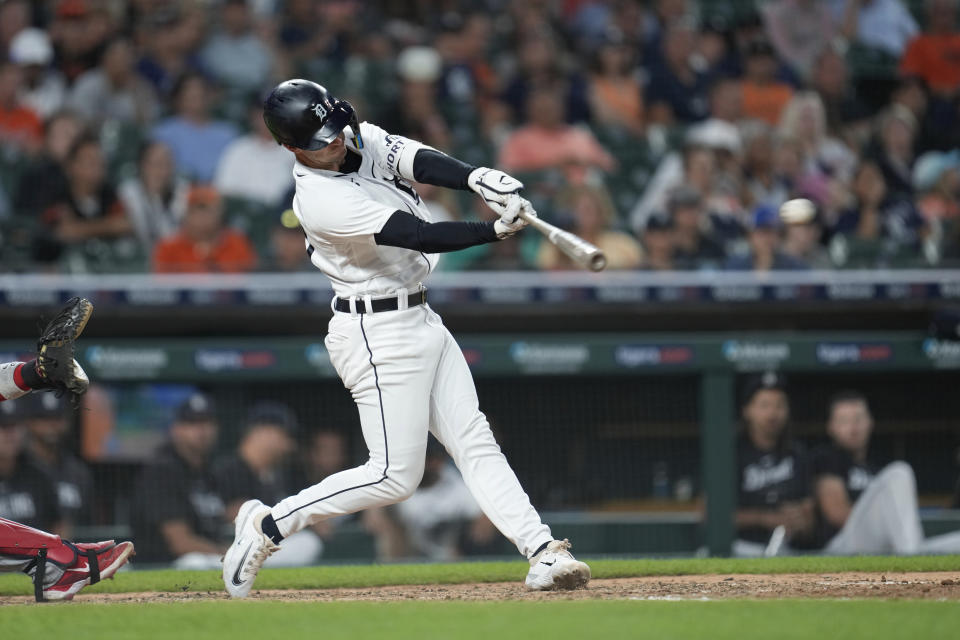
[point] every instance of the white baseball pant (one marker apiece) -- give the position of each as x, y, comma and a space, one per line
408, 376
885, 519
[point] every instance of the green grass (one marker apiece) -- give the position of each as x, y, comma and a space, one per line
740, 620
379, 575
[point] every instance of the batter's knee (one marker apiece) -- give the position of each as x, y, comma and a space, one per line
403, 479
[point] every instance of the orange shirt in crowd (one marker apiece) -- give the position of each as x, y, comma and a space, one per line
21, 124
765, 102
936, 59
625, 99
231, 252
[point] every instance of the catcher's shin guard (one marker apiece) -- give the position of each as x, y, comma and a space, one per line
29, 550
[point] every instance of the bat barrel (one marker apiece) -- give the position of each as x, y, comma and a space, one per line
579, 250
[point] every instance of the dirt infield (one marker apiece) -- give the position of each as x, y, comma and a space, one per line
937, 585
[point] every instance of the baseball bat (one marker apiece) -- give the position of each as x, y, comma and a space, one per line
587, 255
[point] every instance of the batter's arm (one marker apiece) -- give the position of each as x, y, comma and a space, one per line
410, 232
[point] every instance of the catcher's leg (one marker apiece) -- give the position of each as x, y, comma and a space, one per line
59, 568
39, 554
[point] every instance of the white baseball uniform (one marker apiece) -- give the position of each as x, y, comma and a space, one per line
404, 369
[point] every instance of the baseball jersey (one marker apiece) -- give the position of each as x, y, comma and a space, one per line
74, 485
340, 213
768, 479
831, 460
29, 497
237, 481
170, 489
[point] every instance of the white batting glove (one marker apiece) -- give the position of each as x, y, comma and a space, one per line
495, 187
510, 221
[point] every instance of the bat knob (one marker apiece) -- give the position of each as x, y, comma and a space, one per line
598, 261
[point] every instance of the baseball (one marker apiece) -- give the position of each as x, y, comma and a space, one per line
797, 211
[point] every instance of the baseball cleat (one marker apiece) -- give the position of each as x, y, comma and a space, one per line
95, 562
555, 568
250, 549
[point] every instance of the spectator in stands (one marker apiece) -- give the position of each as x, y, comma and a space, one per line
881, 222
774, 505
14, 18
657, 240
547, 142
804, 119
79, 31
44, 181
936, 181
593, 216
203, 244
254, 166
415, 113
677, 91
693, 244
178, 516
288, 250
234, 54
114, 91
197, 140
540, 70
764, 95
440, 521
47, 419
155, 199
802, 236
91, 211
897, 134
168, 49
20, 128
44, 90
883, 25
324, 455
862, 509
616, 92
933, 54
762, 182
468, 81
847, 116
26, 493
766, 253
799, 30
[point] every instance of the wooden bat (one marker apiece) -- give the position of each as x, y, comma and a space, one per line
579, 250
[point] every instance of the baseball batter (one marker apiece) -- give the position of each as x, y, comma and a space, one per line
370, 233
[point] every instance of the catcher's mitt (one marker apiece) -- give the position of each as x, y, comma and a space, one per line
55, 348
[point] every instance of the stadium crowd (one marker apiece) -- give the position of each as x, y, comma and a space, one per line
667, 131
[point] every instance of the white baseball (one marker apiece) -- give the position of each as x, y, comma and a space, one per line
797, 211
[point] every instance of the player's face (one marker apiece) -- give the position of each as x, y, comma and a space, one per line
330, 157
196, 437
767, 412
850, 425
48, 430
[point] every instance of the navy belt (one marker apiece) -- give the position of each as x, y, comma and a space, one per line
380, 305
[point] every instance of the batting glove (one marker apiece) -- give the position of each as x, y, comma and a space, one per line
495, 187
510, 221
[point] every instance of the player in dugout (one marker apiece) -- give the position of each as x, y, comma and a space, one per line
861, 508
57, 567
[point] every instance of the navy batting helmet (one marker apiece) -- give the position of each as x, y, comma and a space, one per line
303, 114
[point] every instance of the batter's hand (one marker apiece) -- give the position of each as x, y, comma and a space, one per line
495, 187
510, 221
